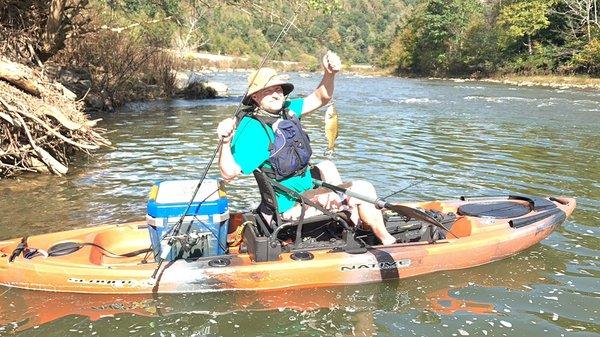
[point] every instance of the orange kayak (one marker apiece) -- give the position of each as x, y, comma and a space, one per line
117, 258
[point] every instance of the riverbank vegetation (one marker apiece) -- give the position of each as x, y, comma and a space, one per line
102, 53
111, 52
58, 55
495, 38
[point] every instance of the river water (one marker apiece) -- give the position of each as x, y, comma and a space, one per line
462, 138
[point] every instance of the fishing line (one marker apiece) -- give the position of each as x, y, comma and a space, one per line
175, 229
407, 187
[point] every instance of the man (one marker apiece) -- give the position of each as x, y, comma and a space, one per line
250, 146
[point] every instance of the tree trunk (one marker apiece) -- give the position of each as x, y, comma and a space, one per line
595, 11
588, 18
529, 44
53, 37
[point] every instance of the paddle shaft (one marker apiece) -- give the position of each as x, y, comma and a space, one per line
379, 203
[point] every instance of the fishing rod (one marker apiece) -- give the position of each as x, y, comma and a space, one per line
174, 232
380, 203
407, 187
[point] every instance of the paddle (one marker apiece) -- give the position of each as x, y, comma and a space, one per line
411, 213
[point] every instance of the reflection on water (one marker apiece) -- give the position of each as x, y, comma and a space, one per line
470, 138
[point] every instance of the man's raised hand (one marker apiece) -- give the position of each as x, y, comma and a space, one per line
332, 62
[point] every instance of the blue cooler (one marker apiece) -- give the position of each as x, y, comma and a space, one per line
203, 231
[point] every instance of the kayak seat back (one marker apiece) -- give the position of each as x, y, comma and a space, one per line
264, 241
269, 218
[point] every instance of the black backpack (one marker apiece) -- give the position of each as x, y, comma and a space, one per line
290, 151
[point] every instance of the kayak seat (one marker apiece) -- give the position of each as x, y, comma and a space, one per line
118, 241
270, 235
269, 219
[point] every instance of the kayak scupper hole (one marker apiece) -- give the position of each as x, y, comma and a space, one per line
302, 256
222, 262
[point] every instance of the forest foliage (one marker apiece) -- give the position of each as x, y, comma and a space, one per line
120, 42
413, 37
357, 29
483, 38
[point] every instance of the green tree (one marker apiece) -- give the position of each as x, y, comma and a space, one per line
524, 19
588, 59
399, 54
440, 28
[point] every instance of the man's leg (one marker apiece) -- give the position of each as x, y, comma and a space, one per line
329, 173
368, 213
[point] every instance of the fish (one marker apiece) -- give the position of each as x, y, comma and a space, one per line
331, 129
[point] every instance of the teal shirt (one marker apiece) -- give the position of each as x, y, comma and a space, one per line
250, 149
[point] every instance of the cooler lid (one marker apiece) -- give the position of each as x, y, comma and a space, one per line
180, 191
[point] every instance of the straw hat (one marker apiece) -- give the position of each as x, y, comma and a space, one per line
265, 78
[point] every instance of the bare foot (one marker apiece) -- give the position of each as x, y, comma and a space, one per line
389, 240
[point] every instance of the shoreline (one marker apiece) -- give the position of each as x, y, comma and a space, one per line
551, 81
227, 63
545, 81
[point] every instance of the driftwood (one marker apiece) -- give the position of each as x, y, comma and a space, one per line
19, 76
41, 126
55, 113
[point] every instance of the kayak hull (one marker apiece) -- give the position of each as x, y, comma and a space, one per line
476, 241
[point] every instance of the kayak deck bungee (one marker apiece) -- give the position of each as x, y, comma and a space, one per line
100, 261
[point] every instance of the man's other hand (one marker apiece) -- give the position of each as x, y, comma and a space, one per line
225, 129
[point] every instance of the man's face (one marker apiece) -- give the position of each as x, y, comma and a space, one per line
270, 99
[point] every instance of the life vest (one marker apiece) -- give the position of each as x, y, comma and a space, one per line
290, 151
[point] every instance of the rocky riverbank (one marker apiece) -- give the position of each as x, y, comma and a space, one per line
553, 81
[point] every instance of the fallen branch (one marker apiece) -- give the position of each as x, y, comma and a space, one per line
56, 114
57, 134
118, 30
53, 164
19, 76
40, 132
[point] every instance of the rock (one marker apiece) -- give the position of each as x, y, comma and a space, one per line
86, 83
183, 79
220, 88
197, 91
195, 77
76, 81
94, 101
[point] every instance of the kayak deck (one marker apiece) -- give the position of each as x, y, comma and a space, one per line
96, 268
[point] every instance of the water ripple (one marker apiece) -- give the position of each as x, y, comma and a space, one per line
462, 139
